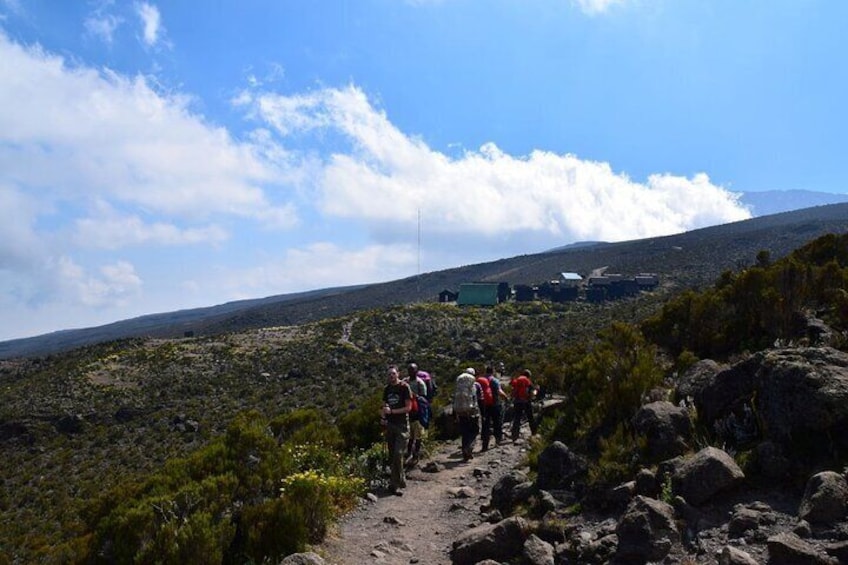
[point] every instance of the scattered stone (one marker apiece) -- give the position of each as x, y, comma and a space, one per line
803, 529
433, 467
393, 520
461, 492
308, 558
371, 497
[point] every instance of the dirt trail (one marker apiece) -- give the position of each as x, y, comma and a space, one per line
420, 526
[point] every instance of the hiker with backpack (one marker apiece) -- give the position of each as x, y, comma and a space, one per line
419, 417
467, 399
397, 403
492, 410
522, 396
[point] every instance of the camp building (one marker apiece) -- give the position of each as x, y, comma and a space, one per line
478, 294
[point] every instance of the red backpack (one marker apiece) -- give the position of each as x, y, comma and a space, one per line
488, 397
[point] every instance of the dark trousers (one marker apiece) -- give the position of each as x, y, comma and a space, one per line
520, 410
492, 424
469, 427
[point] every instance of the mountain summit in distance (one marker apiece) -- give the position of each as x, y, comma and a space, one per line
768, 202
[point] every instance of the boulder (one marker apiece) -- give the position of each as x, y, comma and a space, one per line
825, 498
696, 378
798, 394
788, 549
537, 551
646, 531
511, 489
558, 467
666, 428
705, 474
647, 483
742, 521
730, 555
501, 542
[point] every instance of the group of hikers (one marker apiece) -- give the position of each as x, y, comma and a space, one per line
478, 406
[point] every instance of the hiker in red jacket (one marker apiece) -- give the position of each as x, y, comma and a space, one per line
522, 395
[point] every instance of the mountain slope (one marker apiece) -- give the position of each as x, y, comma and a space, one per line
696, 257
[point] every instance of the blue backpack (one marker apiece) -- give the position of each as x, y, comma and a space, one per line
424, 412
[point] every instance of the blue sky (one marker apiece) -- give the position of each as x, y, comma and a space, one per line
156, 156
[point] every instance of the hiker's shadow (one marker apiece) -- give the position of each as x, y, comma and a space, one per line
455, 460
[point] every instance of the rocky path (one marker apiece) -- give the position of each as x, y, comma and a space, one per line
436, 507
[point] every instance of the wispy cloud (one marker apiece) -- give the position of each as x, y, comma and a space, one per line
151, 22
102, 22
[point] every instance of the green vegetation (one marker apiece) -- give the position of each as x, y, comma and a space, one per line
243, 447
759, 306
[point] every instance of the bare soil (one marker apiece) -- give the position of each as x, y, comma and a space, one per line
421, 525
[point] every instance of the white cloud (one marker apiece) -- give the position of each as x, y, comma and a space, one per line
117, 232
76, 134
383, 178
94, 161
115, 286
151, 22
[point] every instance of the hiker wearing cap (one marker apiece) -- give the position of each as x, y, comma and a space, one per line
522, 394
397, 402
467, 400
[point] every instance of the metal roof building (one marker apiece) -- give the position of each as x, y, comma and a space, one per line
478, 294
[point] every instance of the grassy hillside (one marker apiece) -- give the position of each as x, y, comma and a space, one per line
77, 424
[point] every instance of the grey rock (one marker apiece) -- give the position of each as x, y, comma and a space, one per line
666, 428
647, 484
558, 467
308, 558
509, 490
537, 551
705, 474
502, 541
697, 377
789, 549
742, 521
730, 555
825, 498
646, 531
